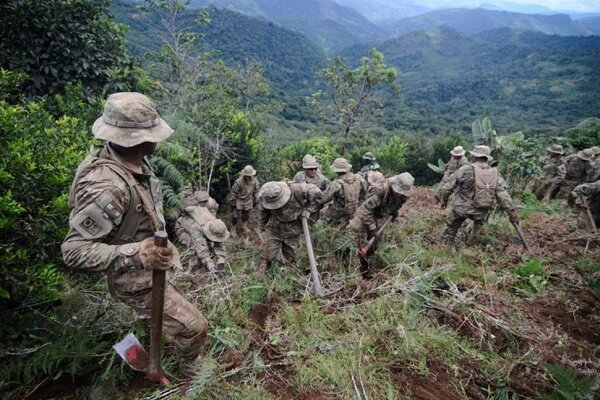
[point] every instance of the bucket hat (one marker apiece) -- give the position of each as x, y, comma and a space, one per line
216, 230
586, 155
402, 184
274, 195
482, 151
309, 162
248, 171
341, 165
130, 118
458, 151
556, 149
595, 149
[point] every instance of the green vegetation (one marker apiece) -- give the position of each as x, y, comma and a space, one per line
480, 322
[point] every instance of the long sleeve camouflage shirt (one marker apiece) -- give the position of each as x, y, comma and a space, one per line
464, 180
189, 231
304, 196
555, 170
381, 202
319, 180
244, 194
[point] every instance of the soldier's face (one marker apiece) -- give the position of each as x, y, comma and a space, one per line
311, 172
148, 148
247, 178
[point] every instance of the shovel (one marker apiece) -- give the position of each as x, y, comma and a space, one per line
364, 250
316, 277
130, 349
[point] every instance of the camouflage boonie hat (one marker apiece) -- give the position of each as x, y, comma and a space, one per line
248, 171
309, 162
369, 156
586, 155
374, 177
130, 118
274, 195
216, 231
402, 184
556, 149
482, 151
341, 165
596, 150
458, 151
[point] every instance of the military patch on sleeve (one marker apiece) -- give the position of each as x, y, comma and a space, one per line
98, 218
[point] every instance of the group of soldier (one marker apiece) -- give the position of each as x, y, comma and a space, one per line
116, 206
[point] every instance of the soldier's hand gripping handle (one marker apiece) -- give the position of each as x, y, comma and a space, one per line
156, 253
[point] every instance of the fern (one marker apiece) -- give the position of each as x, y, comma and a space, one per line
204, 384
570, 386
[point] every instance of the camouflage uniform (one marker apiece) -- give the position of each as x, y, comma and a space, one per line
198, 198
554, 173
283, 204
457, 160
320, 181
591, 193
115, 205
579, 169
190, 229
347, 192
244, 197
368, 164
463, 206
384, 200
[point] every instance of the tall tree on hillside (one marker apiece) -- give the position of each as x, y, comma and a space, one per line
60, 41
351, 98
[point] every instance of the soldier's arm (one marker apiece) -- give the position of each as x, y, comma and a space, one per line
101, 200
325, 184
364, 187
330, 192
219, 250
265, 215
368, 211
299, 177
199, 242
448, 187
561, 172
503, 197
235, 191
255, 192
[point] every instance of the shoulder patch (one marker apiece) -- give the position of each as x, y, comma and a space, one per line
98, 218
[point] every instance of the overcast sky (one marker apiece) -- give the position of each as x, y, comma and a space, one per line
569, 5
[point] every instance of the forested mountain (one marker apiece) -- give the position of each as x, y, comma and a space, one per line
289, 58
479, 19
518, 78
328, 23
385, 10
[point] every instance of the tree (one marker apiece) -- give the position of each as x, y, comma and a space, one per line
60, 41
352, 93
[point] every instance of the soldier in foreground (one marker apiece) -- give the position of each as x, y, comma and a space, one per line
205, 235
243, 198
116, 206
554, 173
348, 191
457, 160
479, 185
384, 200
283, 204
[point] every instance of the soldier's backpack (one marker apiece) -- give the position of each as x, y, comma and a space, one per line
486, 181
351, 195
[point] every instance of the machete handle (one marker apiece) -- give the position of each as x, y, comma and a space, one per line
161, 239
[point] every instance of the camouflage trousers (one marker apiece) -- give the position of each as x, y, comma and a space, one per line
281, 241
181, 320
455, 220
357, 225
566, 188
546, 189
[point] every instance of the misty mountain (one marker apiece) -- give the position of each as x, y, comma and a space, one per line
479, 20
331, 25
593, 23
519, 78
385, 10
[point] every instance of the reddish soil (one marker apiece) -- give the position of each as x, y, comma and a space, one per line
437, 385
260, 312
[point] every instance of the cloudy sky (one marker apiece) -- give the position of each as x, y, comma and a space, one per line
569, 5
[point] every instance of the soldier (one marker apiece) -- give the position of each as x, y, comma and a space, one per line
385, 198
243, 198
478, 185
347, 192
368, 164
554, 173
579, 168
116, 206
592, 173
200, 231
199, 198
458, 160
584, 196
283, 204
311, 173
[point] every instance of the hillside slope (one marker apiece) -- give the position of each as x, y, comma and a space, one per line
520, 79
479, 19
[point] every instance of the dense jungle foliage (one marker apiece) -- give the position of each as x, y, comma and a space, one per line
251, 104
